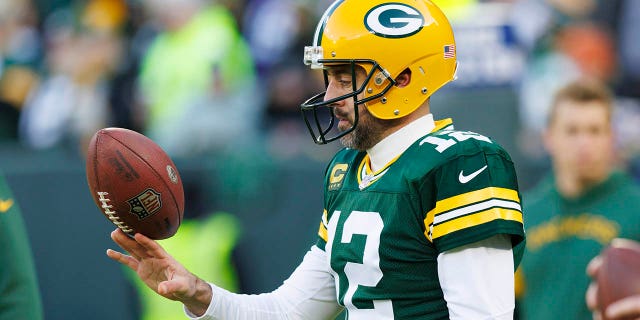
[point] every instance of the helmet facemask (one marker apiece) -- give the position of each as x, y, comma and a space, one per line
318, 113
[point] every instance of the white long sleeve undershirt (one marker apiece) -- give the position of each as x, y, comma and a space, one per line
309, 293
477, 281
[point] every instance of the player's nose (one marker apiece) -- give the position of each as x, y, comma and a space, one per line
333, 92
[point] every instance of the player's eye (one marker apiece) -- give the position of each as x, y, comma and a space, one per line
571, 131
344, 83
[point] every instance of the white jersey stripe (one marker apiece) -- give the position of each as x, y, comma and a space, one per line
481, 206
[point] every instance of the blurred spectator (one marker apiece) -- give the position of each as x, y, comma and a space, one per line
277, 31
567, 40
575, 50
580, 206
8, 122
626, 119
197, 79
237, 9
457, 10
20, 53
288, 137
127, 110
629, 48
71, 103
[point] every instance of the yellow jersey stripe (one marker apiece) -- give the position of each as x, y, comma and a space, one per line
5, 205
475, 220
441, 124
365, 169
470, 198
322, 232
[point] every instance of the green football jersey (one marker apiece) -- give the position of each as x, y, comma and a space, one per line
383, 231
19, 291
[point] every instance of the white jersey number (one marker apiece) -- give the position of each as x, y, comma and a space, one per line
457, 136
367, 273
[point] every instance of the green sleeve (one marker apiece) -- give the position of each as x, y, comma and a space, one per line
19, 294
477, 197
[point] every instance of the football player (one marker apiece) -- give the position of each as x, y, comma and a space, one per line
579, 207
419, 221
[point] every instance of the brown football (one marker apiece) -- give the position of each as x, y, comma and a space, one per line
619, 275
134, 183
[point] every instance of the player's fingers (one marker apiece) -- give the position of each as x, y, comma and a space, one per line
126, 260
594, 266
627, 307
129, 245
591, 296
152, 248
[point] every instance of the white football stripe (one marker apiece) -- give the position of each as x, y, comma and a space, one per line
475, 208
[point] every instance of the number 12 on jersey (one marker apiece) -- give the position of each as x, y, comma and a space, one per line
367, 273
457, 136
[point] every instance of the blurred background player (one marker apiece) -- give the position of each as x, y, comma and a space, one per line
419, 221
19, 293
579, 207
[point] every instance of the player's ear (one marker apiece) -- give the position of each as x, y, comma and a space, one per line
404, 78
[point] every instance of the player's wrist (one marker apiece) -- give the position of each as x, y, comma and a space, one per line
201, 299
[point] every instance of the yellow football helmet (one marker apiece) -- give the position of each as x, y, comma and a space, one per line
385, 38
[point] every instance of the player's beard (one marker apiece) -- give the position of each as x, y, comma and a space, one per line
368, 131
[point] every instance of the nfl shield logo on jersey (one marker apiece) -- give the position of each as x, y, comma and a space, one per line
145, 204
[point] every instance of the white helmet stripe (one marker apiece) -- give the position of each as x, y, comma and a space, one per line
317, 37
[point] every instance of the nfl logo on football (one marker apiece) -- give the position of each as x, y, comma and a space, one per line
145, 204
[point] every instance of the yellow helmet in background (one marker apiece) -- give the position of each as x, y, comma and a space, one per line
385, 38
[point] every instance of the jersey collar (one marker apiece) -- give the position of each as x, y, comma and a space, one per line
396, 143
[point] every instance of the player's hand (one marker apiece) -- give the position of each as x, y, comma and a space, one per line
626, 308
591, 296
161, 272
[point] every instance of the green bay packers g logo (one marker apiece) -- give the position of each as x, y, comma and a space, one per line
393, 20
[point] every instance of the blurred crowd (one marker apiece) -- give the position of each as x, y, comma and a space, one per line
570, 39
193, 75
201, 75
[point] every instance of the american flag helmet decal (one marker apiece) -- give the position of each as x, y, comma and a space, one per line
449, 51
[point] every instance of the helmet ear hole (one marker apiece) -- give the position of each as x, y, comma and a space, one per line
404, 78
